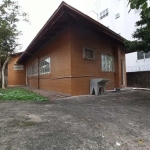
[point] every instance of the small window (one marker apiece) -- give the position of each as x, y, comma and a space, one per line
107, 63
147, 55
88, 53
29, 71
117, 15
18, 67
35, 69
104, 13
140, 55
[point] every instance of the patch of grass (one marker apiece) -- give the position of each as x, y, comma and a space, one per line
17, 123
20, 94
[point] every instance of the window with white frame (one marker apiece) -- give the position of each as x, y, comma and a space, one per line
104, 13
147, 55
29, 71
18, 67
88, 53
142, 55
117, 15
35, 69
45, 66
107, 63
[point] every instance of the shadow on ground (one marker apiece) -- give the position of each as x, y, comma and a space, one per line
110, 122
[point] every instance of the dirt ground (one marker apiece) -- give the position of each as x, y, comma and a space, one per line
118, 121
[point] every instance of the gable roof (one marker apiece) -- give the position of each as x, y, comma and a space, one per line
55, 23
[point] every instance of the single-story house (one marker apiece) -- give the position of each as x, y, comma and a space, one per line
68, 51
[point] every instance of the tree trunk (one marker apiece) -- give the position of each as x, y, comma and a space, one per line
3, 72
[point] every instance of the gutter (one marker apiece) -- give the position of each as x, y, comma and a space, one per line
144, 89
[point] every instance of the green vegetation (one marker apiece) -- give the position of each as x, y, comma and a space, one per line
142, 33
20, 94
22, 123
11, 14
136, 4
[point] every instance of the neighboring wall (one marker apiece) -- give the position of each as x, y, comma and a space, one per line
15, 77
135, 65
58, 49
138, 79
83, 70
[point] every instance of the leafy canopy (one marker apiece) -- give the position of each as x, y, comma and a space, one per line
10, 15
142, 33
136, 4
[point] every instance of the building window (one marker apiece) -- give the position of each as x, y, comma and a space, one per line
107, 63
88, 53
142, 55
18, 67
29, 71
45, 66
35, 69
147, 55
104, 13
117, 15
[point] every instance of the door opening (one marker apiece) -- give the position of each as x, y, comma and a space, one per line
93, 92
122, 72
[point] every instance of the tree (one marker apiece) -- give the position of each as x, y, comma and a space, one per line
142, 33
136, 4
10, 15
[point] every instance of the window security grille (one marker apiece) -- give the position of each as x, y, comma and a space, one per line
88, 53
45, 66
107, 63
18, 67
147, 55
104, 13
29, 71
35, 69
142, 55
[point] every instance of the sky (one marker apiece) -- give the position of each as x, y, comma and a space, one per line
39, 12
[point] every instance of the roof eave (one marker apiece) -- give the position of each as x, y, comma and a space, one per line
53, 19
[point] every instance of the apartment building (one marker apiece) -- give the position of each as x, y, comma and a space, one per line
115, 15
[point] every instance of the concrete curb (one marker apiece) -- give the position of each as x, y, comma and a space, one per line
144, 89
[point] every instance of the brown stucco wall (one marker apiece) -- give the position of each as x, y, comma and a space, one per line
70, 73
83, 70
15, 77
59, 51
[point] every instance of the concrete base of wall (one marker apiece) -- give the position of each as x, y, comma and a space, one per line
16, 85
138, 79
